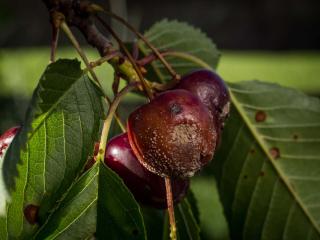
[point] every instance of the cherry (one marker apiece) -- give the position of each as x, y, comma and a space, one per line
147, 187
6, 139
210, 89
174, 135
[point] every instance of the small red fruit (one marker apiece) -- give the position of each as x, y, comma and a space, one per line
174, 135
6, 139
147, 188
210, 89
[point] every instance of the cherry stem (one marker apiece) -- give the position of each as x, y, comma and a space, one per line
76, 44
107, 122
102, 60
145, 85
150, 58
54, 42
173, 228
129, 26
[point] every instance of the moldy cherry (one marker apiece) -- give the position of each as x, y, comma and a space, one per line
174, 135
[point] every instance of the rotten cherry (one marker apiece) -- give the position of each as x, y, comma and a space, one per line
174, 135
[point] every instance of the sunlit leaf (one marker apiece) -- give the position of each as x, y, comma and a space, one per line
51, 149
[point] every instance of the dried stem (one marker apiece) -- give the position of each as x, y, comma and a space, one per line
173, 228
54, 42
102, 60
186, 56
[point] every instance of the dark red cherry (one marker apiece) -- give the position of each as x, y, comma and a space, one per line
147, 188
210, 89
6, 139
174, 135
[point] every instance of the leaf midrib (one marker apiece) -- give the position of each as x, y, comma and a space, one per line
45, 115
264, 148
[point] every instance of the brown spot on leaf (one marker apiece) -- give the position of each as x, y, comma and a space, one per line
275, 152
31, 213
295, 136
261, 116
262, 173
245, 176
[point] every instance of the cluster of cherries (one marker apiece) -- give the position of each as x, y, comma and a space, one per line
174, 135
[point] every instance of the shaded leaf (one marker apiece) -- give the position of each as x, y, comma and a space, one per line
99, 205
268, 165
194, 205
119, 215
61, 126
187, 226
186, 222
179, 36
154, 221
76, 216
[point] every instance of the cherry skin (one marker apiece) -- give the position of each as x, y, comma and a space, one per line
210, 89
6, 139
174, 135
147, 187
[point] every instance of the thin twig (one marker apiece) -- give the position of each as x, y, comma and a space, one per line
145, 85
76, 44
102, 60
54, 43
186, 56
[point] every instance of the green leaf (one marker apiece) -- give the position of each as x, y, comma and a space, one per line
186, 214
213, 223
187, 226
194, 205
119, 215
154, 222
268, 165
55, 141
179, 36
76, 216
98, 204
